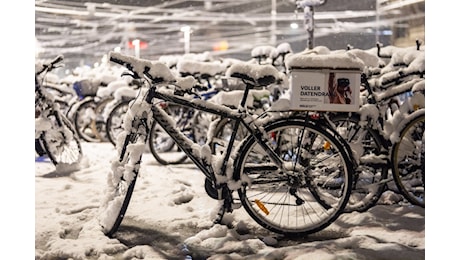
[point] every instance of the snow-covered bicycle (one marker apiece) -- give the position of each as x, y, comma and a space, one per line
390, 135
293, 174
54, 134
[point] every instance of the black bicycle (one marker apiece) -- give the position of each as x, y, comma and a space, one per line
389, 133
293, 173
54, 134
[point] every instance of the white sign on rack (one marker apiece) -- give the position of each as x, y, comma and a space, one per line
325, 90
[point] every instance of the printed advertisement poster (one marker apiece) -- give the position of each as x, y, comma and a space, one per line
325, 90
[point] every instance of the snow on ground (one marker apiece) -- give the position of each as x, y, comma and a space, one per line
170, 217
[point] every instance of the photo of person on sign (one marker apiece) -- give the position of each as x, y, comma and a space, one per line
340, 91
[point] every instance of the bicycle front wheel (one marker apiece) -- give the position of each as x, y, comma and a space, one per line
309, 192
121, 180
408, 157
61, 142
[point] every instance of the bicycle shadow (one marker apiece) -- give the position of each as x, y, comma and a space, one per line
134, 232
391, 217
65, 170
56, 174
171, 244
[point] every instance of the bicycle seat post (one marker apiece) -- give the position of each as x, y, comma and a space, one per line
248, 87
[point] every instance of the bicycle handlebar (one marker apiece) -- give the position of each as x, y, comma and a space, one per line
125, 64
51, 65
156, 71
56, 60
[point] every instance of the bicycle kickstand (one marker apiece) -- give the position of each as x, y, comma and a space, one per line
226, 207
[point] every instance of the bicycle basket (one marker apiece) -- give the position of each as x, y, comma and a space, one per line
84, 88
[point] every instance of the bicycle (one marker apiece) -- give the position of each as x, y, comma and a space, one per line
87, 112
287, 179
380, 128
54, 134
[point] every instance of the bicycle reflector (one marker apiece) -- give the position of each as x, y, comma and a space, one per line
327, 145
261, 206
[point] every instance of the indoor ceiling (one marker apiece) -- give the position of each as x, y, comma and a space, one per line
86, 30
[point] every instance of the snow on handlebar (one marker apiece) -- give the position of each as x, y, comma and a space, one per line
40, 68
156, 71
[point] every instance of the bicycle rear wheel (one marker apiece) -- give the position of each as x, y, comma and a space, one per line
372, 171
222, 134
121, 180
408, 157
98, 125
114, 123
85, 115
309, 193
161, 145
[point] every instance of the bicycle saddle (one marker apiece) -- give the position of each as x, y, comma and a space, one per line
257, 75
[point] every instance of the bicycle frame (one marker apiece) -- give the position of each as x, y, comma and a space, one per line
239, 117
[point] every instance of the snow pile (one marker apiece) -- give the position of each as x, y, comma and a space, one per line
346, 60
256, 73
191, 67
156, 227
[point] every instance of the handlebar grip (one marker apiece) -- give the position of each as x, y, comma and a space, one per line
119, 59
49, 65
56, 60
146, 73
121, 62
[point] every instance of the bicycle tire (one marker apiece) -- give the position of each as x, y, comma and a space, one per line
114, 123
85, 114
161, 145
408, 160
98, 125
61, 142
269, 195
116, 202
222, 134
372, 171
163, 148
200, 124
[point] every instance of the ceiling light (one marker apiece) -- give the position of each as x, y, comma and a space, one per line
294, 26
